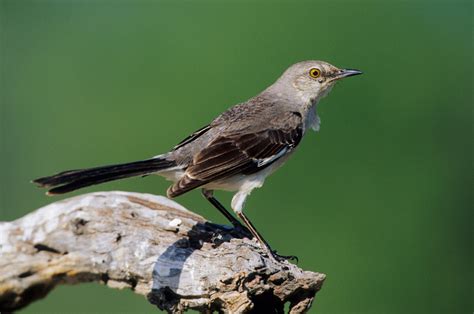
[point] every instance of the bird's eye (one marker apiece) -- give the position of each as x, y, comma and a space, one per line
315, 73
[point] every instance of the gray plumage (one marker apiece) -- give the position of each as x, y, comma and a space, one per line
238, 149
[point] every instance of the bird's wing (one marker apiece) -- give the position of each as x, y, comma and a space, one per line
192, 137
242, 152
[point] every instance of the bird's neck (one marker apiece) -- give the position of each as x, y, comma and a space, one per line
292, 101
288, 97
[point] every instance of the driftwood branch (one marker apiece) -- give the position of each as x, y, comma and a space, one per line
152, 245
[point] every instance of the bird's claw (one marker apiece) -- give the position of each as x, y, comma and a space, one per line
281, 258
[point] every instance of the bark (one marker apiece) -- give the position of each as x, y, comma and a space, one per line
149, 244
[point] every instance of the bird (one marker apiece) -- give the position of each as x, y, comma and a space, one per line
236, 151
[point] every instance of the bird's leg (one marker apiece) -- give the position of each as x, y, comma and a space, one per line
209, 195
262, 241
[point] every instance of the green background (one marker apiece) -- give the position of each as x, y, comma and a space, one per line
379, 199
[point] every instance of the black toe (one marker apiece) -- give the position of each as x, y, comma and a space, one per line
282, 258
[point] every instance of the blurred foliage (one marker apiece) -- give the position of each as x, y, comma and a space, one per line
379, 200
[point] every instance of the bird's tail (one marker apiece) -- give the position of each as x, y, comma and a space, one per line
71, 180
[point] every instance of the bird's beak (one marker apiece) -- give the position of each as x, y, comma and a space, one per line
346, 73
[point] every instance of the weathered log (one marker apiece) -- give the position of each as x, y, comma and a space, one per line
152, 245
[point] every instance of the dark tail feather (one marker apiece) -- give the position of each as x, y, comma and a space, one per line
71, 180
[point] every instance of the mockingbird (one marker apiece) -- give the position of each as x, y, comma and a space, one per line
236, 151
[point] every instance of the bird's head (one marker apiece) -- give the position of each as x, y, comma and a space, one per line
311, 80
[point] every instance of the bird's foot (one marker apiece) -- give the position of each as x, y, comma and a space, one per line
281, 258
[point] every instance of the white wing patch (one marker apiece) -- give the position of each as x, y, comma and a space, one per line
266, 161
